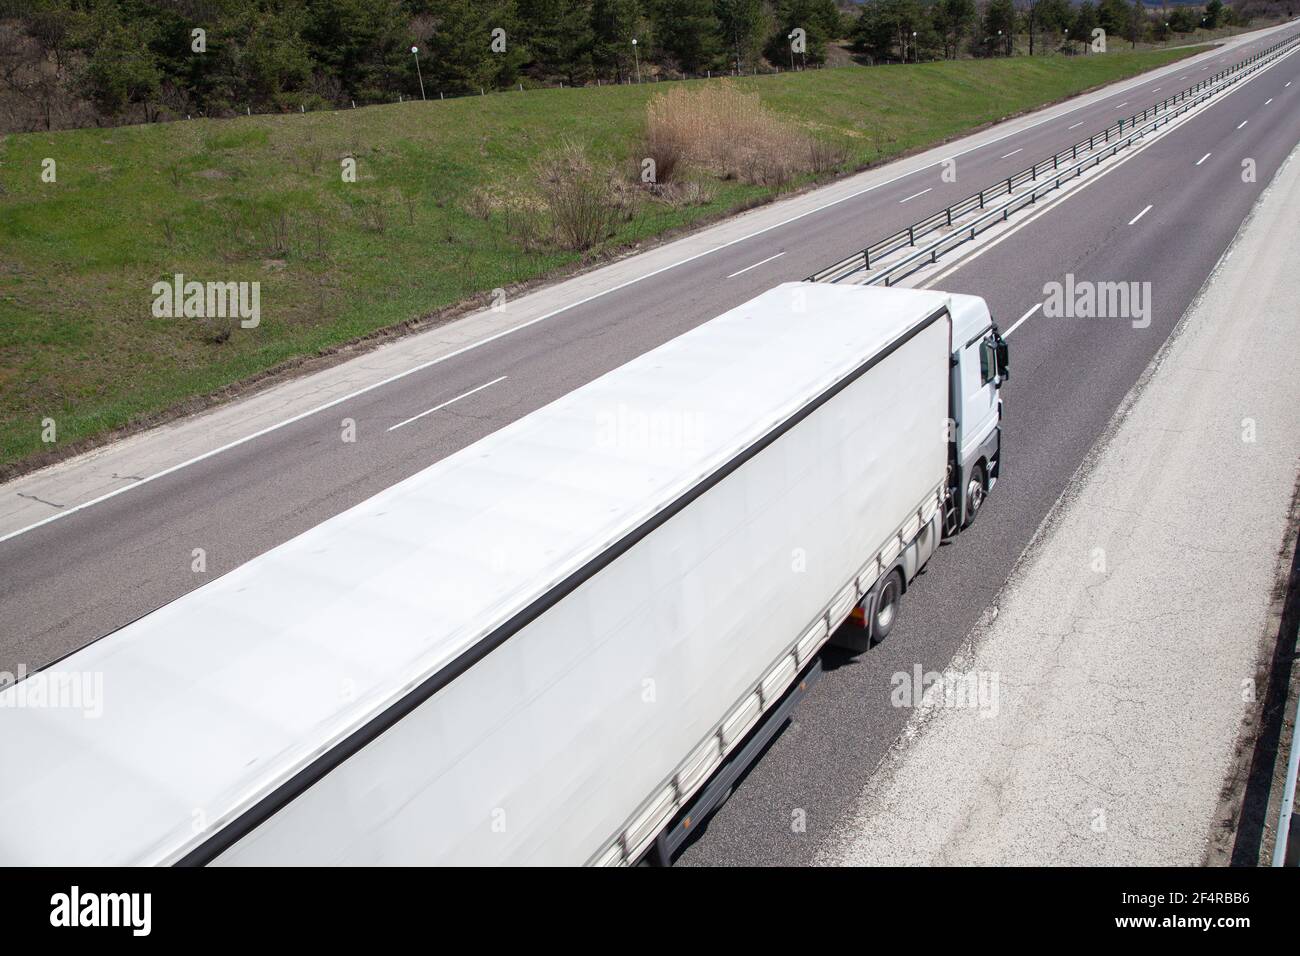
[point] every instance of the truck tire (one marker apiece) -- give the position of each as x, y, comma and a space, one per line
886, 606
975, 489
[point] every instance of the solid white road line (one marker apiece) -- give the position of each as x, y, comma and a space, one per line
1139, 215
1202, 159
1012, 153
1022, 320
914, 195
756, 265
1242, 123
1075, 126
449, 401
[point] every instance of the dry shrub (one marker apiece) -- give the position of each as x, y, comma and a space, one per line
668, 156
725, 130
577, 196
825, 156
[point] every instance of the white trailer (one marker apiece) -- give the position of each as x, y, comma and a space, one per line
541, 648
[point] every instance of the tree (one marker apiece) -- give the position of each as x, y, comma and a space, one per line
1085, 21
1115, 17
744, 25
365, 44
687, 31
1183, 20
820, 21
476, 45
613, 26
886, 26
1054, 15
1213, 13
999, 26
558, 36
121, 70
953, 20
275, 60
1137, 23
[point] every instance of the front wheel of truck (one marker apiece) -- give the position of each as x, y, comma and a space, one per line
887, 604
974, 494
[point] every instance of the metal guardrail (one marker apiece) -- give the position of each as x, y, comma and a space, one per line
1049, 170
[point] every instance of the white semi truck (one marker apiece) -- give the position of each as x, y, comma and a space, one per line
556, 646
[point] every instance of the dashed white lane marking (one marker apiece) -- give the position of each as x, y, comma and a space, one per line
756, 265
1242, 123
1139, 215
449, 401
1075, 126
1012, 153
914, 195
1021, 321
1202, 159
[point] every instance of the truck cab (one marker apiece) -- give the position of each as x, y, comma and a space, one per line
979, 368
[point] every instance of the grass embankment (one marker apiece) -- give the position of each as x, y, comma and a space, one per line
262, 198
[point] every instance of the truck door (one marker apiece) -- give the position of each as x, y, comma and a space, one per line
979, 395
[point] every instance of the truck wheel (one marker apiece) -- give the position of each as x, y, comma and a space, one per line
887, 606
974, 494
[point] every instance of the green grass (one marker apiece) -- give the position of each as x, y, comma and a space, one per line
261, 198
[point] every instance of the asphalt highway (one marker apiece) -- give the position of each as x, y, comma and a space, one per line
73, 580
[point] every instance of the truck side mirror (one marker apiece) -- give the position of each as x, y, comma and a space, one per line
1004, 367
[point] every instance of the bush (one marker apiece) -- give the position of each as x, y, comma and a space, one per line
726, 131
577, 196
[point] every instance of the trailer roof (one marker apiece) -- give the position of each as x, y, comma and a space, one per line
211, 701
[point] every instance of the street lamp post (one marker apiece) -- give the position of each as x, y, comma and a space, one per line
916, 51
638, 60
415, 52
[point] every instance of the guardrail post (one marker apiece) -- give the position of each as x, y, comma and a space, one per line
949, 211
866, 257
911, 235
981, 199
